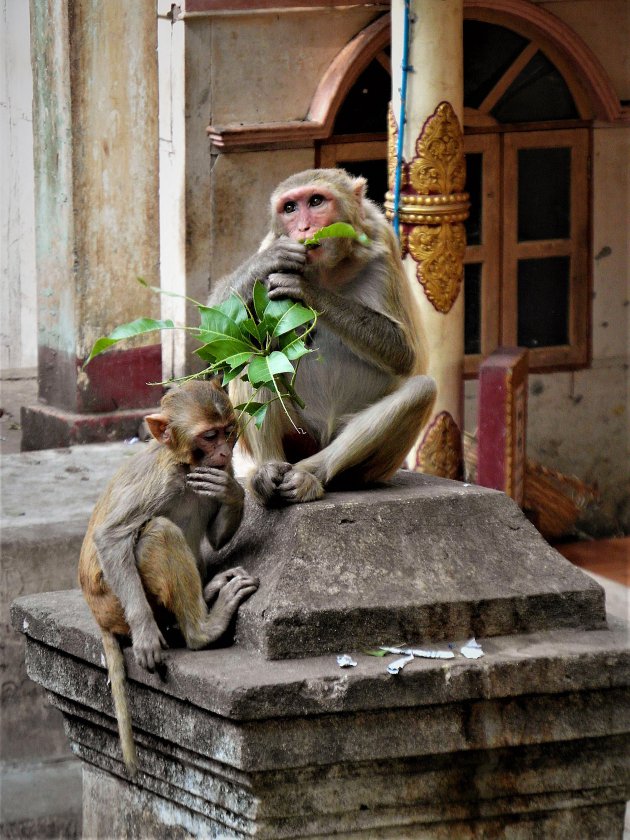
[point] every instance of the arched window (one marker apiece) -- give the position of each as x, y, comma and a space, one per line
527, 143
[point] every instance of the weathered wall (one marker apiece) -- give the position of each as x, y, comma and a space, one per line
605, 26
579, 422
18, 325
95, 118
256, 68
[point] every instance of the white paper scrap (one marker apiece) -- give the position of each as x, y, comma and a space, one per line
346, 661
397, 666
433, 654
472, 649
426, 654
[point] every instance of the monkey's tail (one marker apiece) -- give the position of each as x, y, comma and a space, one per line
116, 670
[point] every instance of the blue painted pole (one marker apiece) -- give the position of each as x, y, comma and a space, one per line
402, 117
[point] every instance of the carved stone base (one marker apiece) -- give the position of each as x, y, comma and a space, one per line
531, 740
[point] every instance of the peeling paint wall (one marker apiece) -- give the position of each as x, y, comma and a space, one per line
18, 330
96, 188
114, 105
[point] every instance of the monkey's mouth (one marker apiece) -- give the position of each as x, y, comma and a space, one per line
313, 245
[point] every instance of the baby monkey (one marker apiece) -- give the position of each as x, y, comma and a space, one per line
141, 562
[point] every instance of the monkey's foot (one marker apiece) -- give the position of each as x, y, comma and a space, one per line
216, 584
218, 619
265, 481
300, 486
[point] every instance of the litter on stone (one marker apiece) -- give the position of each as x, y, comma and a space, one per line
346, 661
397, 666
425, 654
472, 649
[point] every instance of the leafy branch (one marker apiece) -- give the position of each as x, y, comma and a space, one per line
262, 344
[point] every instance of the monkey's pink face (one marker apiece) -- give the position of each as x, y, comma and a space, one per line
213, 446
304, 210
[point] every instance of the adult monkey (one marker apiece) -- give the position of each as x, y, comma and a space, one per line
365, 393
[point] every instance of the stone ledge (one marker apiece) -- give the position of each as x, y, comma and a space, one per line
238, 684
420, 558
533, 739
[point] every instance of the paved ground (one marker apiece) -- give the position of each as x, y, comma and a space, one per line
17, 388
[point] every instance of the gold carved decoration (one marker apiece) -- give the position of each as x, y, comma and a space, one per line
439, 167
392, 144
433, 205
439, 252
441, 451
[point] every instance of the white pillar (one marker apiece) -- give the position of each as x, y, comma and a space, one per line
433, 206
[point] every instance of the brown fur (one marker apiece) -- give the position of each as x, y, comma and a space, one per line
141, 557
366, 392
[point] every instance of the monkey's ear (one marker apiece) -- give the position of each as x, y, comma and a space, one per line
358, 189
158, 426
216, 382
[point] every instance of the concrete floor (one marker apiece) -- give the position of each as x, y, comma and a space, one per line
17, 388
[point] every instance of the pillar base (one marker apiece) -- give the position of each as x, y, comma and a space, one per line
532, 740
46, 427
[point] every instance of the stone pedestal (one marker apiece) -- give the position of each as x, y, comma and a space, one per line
271, 738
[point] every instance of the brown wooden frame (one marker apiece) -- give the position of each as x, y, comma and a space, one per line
488, 253
576, 246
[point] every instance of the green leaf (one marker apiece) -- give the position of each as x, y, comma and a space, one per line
296, 350
338, 230
261, 299
262, 369
229, 375
293, 316
259, 416
219, 350
256, 410
141, 326
251, 327
216, 323
238, 359
235, 309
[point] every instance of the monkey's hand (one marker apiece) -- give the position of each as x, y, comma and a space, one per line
284, 254
147, 644
300, 486
216, 484
265, 480
219, 581
289, 285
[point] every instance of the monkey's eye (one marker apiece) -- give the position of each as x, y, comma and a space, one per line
209, 435
316, 200
289, 207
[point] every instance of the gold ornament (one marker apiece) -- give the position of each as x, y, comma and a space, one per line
439, 167
439, 252
433, 204
441, 452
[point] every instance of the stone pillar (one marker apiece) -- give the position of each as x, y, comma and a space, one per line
271, 738
433, 205
96, 208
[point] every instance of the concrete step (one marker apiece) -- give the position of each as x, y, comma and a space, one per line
41, 801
